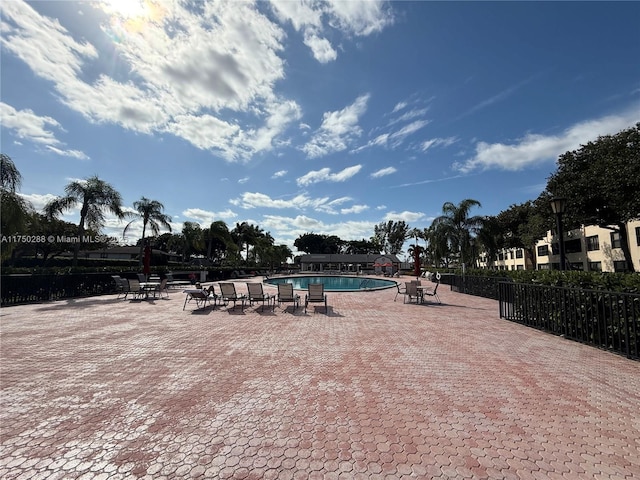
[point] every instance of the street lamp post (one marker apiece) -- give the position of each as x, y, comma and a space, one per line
559, 207
416, 254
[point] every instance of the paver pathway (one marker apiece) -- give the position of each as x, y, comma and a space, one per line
101, 388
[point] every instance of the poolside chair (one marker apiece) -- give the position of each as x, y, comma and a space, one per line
401, 290
135, 289
121, 285
200, 296
228, 294
434, 294
315, 295
142, 278
285, 294
256, 294
159, 289
411, 291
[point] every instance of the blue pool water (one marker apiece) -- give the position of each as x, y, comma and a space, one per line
335, 283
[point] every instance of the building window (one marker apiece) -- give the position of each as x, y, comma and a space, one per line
619, 266
520, 267
543, 250
543, 266
638, 236
577, 266
519, 253
595, 266
501, 256
593, 243
573, 246
615, 240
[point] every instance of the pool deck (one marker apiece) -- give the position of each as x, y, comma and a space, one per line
105, 388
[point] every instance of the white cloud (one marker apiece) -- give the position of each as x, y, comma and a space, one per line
338, 129
287, 229
243, 180
206, 217
189, 66
325, 175
435, 142
321, 48
383, 172
28, 126
406, 216
39, 201
313, 17
250, 200
533, 149
260, 200
279, 173
354, 209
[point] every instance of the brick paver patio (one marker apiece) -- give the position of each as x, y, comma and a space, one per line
101, 388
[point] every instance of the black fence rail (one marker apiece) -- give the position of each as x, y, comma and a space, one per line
17, 289
608, 320
20, 289
479, 286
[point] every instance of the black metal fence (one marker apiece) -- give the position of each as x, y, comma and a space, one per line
608, 320
481, 286
19, 289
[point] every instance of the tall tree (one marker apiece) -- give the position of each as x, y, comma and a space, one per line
219, 241
391, 235
150, 212
601, 181
457, 226
95, 196
521, 226
10, 177
15, 210
193, 240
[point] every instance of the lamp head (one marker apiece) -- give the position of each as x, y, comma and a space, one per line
558, 205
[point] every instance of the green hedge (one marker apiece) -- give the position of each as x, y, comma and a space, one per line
613, 282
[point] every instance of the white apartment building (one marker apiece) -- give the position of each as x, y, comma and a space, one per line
589, 248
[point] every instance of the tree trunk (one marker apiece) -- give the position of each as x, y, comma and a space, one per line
144, 229
76, 246
624, 245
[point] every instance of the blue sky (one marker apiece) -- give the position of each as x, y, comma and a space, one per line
324, 117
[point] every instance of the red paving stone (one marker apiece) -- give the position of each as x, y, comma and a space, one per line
101, 388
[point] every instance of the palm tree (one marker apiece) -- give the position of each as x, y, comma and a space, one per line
219, 240
15, 209
456, 225
94, 196
10, 178
150, 212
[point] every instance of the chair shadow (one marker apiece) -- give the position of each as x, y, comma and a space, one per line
319, 309
76, 303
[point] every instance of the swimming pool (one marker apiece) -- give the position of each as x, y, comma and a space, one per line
335, 283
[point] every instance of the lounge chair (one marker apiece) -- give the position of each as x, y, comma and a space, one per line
315, 295
201, 297
229, 294
433, 294
285, 294
256, 294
